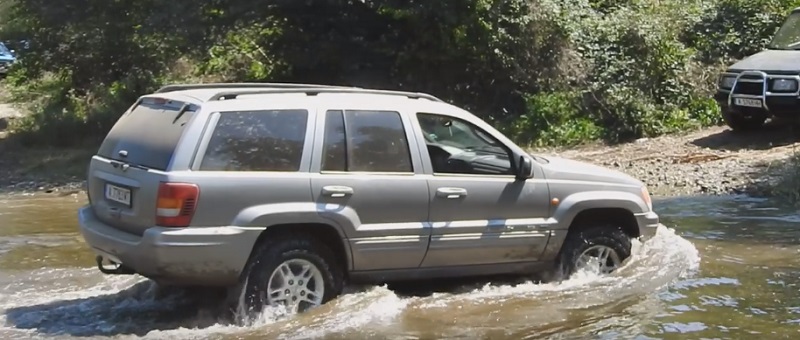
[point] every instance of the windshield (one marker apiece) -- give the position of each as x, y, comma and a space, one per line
3, 49
788, 36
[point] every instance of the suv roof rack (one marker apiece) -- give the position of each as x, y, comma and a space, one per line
182, 87
313, 91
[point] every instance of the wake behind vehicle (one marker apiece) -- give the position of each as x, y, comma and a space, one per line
7, 58
284, 192
765, 84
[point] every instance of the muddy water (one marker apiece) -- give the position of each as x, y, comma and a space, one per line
727, 268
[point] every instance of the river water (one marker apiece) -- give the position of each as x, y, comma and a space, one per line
724, 268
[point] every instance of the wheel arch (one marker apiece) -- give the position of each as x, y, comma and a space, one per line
323, 233
611, 216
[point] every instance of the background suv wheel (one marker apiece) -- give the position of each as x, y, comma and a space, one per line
740, 122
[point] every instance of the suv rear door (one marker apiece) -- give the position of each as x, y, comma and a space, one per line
366, 178
124, 176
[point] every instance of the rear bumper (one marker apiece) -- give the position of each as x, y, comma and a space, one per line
648, 224
213, 256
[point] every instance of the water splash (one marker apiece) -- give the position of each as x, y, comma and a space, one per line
49, 302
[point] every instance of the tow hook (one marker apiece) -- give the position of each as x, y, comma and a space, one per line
115, 269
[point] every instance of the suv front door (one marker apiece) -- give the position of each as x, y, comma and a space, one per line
364, 180
479, 212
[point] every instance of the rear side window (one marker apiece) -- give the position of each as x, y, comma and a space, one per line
365, 141
257, 141
148, 135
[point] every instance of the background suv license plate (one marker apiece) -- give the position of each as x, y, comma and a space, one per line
747, 102
118, 194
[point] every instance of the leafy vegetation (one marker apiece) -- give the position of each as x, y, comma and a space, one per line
545, 71
782, 179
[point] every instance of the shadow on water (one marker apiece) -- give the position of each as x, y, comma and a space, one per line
136, 310
143, 308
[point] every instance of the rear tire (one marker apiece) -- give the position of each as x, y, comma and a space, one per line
588, 242
740, 123
301, 273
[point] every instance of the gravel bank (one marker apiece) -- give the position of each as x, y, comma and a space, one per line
713, 161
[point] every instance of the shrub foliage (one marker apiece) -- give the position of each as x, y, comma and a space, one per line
547, 72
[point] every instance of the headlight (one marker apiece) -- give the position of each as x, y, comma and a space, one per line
646, 198
784, 85
726, 81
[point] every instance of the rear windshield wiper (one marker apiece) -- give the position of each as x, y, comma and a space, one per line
183, 110
120, 164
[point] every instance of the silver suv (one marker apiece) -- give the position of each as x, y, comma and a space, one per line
284, 192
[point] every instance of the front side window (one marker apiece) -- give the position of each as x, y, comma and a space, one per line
456, 146
365, 141
268, 140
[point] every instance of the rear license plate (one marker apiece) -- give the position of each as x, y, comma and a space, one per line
747, 102
118, 194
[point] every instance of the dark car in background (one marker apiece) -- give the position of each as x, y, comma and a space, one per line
7, 58
766, 84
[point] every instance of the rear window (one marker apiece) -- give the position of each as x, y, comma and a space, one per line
365, 141
270, 140
148, 134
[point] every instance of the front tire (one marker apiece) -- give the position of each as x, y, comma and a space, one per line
738, 122
607, 246
297, 272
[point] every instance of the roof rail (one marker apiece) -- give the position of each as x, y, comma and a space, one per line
181, 87
312, 91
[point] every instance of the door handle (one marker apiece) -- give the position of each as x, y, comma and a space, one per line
337, 190
451, 193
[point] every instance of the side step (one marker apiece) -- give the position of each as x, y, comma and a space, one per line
115, 269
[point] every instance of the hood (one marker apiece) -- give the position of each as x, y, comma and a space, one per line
770, 61
570, 170
6, 57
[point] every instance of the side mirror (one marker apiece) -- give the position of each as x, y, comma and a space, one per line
524, 168
13, 52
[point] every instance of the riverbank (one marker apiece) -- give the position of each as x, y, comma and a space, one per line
711, 161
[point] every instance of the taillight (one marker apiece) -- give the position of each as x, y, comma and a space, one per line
176, 204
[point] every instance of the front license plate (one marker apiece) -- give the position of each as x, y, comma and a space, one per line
118, 194
747, 102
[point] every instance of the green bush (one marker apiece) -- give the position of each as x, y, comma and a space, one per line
782, 180
548, 72
553, 119
734, 29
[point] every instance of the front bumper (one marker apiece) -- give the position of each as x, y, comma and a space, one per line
648, 224
213, 256
780, 106
754, 85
